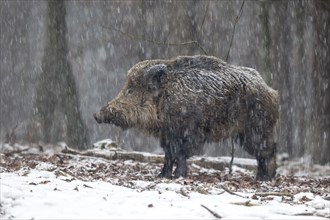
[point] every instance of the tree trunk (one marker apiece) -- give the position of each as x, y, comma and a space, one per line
56, 103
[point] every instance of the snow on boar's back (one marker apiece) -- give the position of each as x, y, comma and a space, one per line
188, 101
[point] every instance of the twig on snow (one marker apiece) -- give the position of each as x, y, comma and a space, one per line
247, 203
231, 192
212, 212
274, 194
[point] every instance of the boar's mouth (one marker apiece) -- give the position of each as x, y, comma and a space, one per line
114, 118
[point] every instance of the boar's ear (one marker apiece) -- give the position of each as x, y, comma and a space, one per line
154, 76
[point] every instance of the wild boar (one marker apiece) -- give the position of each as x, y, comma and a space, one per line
191, 100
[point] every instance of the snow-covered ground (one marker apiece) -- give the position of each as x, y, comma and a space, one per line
56, 186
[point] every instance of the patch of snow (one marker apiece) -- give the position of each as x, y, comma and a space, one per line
287, 209
53, 188
41, 195
169, 187
320, 203
323, 213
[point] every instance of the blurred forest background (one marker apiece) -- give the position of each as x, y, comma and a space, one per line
63, 60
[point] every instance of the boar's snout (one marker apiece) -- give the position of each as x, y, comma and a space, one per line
111, 115
98, 117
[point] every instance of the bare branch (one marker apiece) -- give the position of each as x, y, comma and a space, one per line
235, 22
232, 156
200, 47
193, 42
204, 17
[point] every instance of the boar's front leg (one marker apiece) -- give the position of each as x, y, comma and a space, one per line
189, 143
181, 169
179, 145
169, 159
175, 152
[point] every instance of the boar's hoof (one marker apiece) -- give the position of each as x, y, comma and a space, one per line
165, 174
263, 177
266, 168
180, 172
162, 175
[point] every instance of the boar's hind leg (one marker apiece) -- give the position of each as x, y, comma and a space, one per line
264, 149
266, 165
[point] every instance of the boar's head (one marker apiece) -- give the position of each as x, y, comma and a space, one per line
136, 105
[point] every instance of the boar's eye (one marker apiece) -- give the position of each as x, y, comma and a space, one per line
129, 91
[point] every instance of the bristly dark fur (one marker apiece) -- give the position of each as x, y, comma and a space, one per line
188, 101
